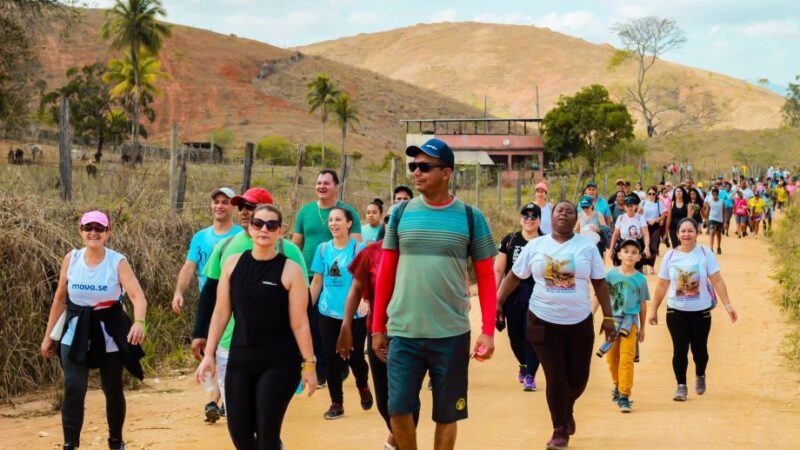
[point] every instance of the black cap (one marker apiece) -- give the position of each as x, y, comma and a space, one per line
537, 212
630, 242
632, 200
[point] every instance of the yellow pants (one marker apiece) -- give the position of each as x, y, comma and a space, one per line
620, 361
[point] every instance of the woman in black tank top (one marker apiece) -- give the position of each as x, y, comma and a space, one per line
271, 347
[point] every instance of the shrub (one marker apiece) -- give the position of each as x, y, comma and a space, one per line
276, 150
786, 242
314, 156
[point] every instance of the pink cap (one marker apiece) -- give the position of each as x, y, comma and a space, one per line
94, 216
541, 185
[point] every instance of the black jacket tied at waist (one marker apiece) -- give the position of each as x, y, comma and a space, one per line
89, 343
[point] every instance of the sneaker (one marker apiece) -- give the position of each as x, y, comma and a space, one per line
521, 373
530, 384
116, 444
366, 398
624, 404
212, 412
681, 393
719, 251
571, 424
222, 411
700, 385
615, 395
334, 412
560, 439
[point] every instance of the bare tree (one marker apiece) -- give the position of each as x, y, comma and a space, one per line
646, 39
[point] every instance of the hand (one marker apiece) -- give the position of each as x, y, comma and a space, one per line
380, 345
207, 364
484, 347
500, 319
652, 318
610, 330
594, 228
177, 303
136, 333
48, 347
309, 380
198, 345
345, 342
731, 313
641, 335
647, 252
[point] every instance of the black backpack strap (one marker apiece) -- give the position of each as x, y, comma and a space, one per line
225, 244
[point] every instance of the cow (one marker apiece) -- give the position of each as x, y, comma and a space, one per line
91, 170
19, 156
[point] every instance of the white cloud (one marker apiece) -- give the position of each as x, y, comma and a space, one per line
447, 15
362, 18
773, 28
514, 18
570, 22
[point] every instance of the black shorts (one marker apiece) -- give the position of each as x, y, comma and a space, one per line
447, 361
713, 225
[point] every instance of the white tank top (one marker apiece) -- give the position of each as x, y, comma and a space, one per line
89, 286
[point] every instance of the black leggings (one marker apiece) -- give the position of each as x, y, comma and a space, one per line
517, 321
255, 403
566, 355
380, 381
313, 323
76, 379
689, 329
329, 331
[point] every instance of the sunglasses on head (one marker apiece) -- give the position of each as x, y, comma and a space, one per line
246, 205
272, 225
423, 167
89, 227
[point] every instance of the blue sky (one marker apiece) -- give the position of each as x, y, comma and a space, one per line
747, 39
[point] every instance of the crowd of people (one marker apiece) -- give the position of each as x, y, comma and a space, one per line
276, 316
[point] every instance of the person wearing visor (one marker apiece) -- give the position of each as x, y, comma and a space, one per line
422, 298
89, 322
514, 311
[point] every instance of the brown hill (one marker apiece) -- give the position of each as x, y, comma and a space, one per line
254, 89
505, 62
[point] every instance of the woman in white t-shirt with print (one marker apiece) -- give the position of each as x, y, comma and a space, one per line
631, 225
690, 278
654, 214
560, 327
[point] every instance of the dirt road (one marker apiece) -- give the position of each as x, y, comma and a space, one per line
752, 402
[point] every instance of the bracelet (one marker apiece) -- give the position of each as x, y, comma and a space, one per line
728, 306
308, 366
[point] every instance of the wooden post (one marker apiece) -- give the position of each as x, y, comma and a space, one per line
477, 185
499, 187
248, 165
301, 152
211, 148
519, 192
393, 180
455, 180
180, 196
173, 168
64, 152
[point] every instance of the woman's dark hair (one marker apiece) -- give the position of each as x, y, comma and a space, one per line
684, 197
347, 214
405, 189
270, 208
690, 220
653, 188
332, 173
379, 203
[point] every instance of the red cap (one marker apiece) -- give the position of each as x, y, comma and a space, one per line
256, 196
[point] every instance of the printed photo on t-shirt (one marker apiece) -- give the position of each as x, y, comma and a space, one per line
617, 293
688, 285
334, 271
633, 232
559, 274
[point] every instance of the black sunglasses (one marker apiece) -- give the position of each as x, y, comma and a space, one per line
423, 167
94, 227
651, 193
530, 216
272, 225
246, 205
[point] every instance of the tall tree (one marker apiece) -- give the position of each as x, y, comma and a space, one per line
346, 115
645, 40
321, 94
791, 107
587, 124
132, 26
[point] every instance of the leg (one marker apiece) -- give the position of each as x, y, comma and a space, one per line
515, 320
550, 346
76, 379
240, 408
274, 391
679, 331
329, 332
380, 383
111, 382
700, 328
627, 351
357, 361
405, 431
316, 339
580, 339
448, 362
445, 437
612, 358
406, 369
531, 358
222, 367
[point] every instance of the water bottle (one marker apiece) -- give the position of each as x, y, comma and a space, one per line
208, 381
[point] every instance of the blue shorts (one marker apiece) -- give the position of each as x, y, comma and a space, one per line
447, 361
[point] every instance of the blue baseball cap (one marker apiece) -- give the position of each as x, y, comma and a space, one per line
585, 202
435, 148
591, 184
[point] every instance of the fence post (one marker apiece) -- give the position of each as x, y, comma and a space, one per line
477, 185
173, 167
393, 180
455, 180
248, 165
499, 188
64, 152
301, 152
519, 192
180, 196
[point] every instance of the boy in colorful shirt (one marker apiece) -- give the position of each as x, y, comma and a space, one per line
629, 293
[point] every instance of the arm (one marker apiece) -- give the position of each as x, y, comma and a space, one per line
601, 291
297, 239
669, 216
646, 234
722, 290
642, 319
614, 239
487, 296
507, 286
601, 220
206, 304
184, 278
345, 342
384, 287
499, 267
219, 320
316, 288
661, 292
298, 318
131, 285
59, 304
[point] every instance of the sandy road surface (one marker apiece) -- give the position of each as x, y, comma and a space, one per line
753, 401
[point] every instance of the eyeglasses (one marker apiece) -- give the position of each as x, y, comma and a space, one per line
97, 228
651, 193
246, 205
258, 224
529, 217
423, 167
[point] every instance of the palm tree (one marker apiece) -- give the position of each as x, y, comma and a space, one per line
321, 94
346, 115
132, 26
122, 77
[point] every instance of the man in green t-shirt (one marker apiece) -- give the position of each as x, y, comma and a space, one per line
311, 230
236, 244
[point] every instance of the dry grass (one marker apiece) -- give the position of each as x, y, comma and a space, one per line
786, 242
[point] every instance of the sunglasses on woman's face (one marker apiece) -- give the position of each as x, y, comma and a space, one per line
246, 205
94, 227
423, 167
272, 225
651, 193
530, 216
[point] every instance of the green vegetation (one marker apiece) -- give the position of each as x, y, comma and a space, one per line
276, 150
786, 242
346, 115
791, 108
321, 94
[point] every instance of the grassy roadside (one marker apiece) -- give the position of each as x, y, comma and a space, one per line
786, 242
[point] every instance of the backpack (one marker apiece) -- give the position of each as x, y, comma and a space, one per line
709, 287
402, 207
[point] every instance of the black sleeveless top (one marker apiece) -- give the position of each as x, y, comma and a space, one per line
262, 334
